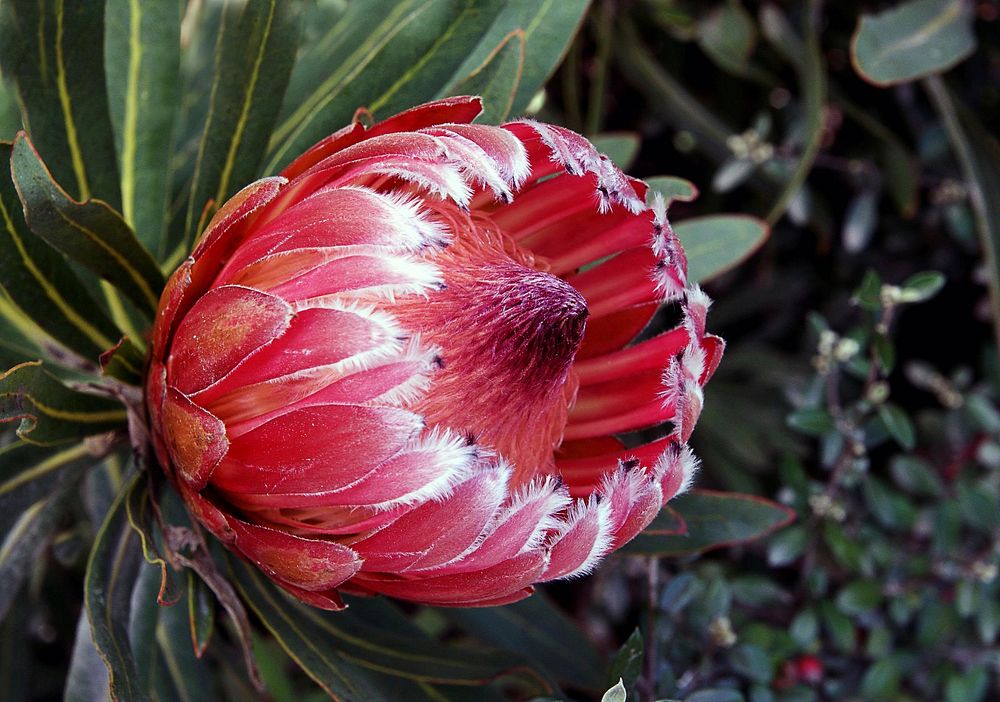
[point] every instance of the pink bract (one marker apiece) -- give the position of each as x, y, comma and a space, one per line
403, 366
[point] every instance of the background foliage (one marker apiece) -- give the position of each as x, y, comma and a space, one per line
832, 170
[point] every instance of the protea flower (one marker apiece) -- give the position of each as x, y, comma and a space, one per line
404, 365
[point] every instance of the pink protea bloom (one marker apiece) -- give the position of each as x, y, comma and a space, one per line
402, 366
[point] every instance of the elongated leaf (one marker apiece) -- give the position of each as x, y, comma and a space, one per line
30, 473
90, 232
41, 284
539, 631
620, 147
123, 361
327, 646
23, 543
408, 52
812, 93
497, 79
411, 51
111, 573
254, 53
714, 520
52, 51
51, 413
15, 658
20, 339
88, 676
912, 40
717, 243
142, 47
978, 155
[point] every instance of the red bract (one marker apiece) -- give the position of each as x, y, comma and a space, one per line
402, 367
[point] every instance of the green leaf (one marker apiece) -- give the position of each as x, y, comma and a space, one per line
331, 648
50, 413
40, 283
30, 473
16, 674
52, 51
916, 476
21, 545
899, 425
88, 676
672, 188
718, 243
715, 695
626, 664
187, 675
541, 632
714, 520
142, 46
812, 421
912, 40
620, 147
200, 613
978, 153
412, 51
785, 547
111, 573
881, 680
752, 662
728, 35
922, 286
812, 94
970, 686
496, 79
90, 232
124, 361
859, 597
254, 54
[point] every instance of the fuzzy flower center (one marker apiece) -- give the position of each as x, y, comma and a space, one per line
508, 333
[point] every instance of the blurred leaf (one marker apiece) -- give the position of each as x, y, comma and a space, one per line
980, 506
672, 188
620, 147
254, 53
805, 629
142, 46
496, 80
626, 664
51, 413
859, 597
912, 40
899, 425
332, 648
812, 94
111, 572
814, 421
839, 627
714, 520
718, 243
728, 35
890, 508
758, 591
90, 232
970, 686
541, 632
15, 657
752, 662
715, 695
53, 53
785, 547
978, 154
41, 283
922, 286
860, 220
916, 476
733, 173
881, 680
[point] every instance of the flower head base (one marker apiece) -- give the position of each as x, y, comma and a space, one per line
402, 366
